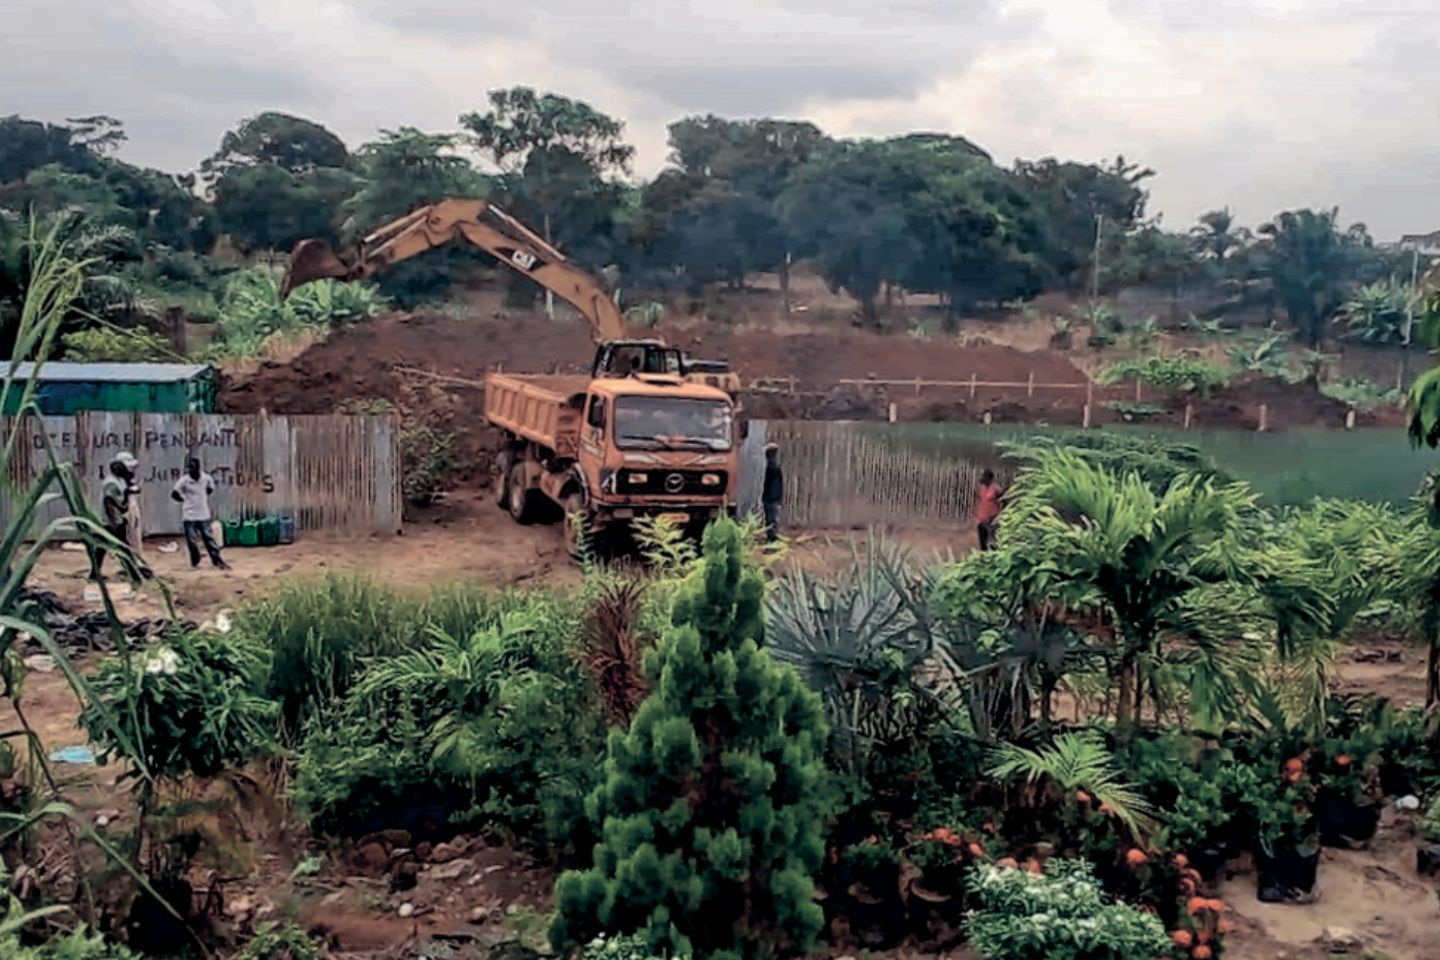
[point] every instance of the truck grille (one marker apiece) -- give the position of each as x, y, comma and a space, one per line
672, 483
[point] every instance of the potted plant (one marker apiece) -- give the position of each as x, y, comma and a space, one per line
1347, 808
1427, 858
1289, 846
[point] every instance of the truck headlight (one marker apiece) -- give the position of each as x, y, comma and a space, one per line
710, 480
639, 479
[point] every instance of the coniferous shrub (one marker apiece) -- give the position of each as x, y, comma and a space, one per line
713, 806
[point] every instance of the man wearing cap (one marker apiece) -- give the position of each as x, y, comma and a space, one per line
118, 492
772, 492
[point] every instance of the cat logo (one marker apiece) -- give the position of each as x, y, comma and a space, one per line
523, 260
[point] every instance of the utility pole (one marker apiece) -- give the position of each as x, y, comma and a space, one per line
549, 294
1409, 317
1095, 272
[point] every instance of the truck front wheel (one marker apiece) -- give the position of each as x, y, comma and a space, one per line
579, 533
520, 499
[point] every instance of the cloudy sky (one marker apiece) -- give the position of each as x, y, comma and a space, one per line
1259, 104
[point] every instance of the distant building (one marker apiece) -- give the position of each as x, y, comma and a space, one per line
1427, 243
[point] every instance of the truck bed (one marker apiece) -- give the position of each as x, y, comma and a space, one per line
543, 409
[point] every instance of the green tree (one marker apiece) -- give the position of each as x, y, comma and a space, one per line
27, 145
849, 206
555, 156
714, 802
288, 142
1072, 196
266, 207
1312, 263
1217, 238
735, 171
924, 212
405, 169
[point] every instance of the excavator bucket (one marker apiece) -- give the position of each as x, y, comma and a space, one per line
312, 260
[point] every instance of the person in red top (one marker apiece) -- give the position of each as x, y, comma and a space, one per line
987, 508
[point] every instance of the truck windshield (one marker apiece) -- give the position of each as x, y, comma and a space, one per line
672, 422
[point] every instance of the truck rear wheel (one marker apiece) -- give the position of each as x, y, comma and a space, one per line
520, 499
500, 476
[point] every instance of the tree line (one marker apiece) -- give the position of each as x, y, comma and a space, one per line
923, 212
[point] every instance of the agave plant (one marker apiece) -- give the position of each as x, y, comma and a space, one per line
857, 641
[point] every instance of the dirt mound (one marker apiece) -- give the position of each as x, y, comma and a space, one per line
429, 365
362, 361
1288, 406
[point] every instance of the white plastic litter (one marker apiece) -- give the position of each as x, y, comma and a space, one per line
222, 622
171, 547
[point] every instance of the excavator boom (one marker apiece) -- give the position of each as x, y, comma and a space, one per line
481, 224
486, 226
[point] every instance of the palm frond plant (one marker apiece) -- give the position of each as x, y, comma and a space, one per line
1005, 625
1075, 762
1150, 559
613, 647
1351, 552
1419, 555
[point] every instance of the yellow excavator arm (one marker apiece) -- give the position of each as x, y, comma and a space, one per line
480, 223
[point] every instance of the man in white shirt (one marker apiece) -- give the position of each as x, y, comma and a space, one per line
192, 492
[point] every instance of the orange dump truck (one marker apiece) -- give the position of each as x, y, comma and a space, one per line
611, 449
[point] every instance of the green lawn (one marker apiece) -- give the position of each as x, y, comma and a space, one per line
1289, 467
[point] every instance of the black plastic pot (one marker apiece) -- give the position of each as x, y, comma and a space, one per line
1209, 862
1343, 822
1427, 860
1287, 877
152, 929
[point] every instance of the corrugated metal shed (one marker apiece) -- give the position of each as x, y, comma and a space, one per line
111, 372
68, 388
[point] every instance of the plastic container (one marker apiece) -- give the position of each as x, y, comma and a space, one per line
249, 534
231, 533
267, 531
287, 530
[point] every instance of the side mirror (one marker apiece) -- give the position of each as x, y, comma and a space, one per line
744, 429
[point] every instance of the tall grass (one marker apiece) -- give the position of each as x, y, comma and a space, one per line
316, 635
54, 286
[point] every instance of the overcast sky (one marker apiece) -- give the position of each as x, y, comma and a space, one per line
1259, 104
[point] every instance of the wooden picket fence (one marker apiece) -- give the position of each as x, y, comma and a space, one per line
848, 475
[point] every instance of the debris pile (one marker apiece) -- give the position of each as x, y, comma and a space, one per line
81, 633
